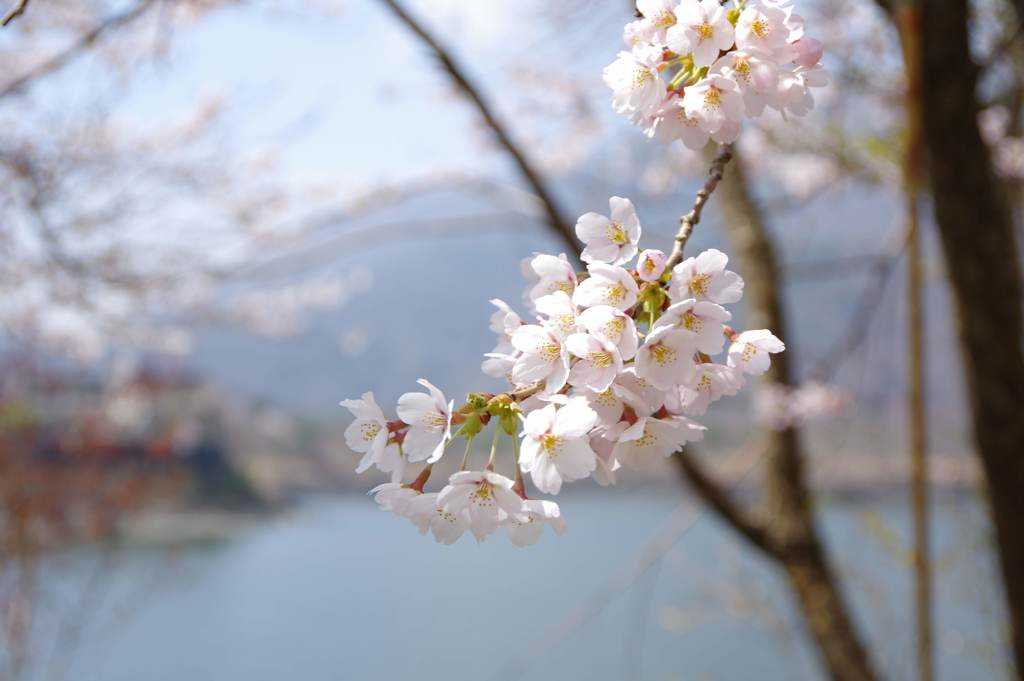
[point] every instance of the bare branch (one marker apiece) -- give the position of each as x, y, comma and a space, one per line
553, 214
718, 497
16, 11
85, 41
688, 221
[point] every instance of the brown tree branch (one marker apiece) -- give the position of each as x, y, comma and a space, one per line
16, 11
85, 41
719, 499
553, 214
688, 221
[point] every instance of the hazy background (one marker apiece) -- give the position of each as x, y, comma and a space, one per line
294, 207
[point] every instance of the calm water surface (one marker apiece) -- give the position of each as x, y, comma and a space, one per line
339, 591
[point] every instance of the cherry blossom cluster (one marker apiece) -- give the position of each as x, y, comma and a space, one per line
611, 373
695, 69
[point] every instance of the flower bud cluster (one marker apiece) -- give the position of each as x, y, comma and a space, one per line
611, 373
695, 68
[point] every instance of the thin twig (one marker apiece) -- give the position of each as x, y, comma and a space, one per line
553, 214
688, 221
85, 41
16, 11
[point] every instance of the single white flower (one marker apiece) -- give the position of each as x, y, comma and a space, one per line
640, 394
559, 311
504, 321
794, 93
701, 29
635, 82
651, 439
607, 404
525, 529
807, 52
430, 423
499, 365
672, 123
757, 78
610, 239
603, 441
394, 497
703, 319
555, 445
704, 277
428, 515
547, 274
651, 265
751, 351
659, 15
368, 434
486, 498
607, 285
716, 102
544, 357
711, 382
598, 361
762, 28
638, 33
665, 360
613, 324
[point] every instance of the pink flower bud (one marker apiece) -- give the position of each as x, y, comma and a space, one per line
650, 265
808, 52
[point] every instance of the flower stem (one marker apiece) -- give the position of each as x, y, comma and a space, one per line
494, 447
469, 448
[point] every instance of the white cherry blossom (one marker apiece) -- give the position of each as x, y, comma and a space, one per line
394, 497
701, 29
673, 123
650, 439
425, 512
368, 434
703, 319
716, 103
665, 360
651, 265
485, 497
598, 361
757, 78
499, 365
504, 322
610, 239
525, 529
603, 441
704, 277
430, 423
635, 81
751, 351
559, 311
607, 285
659, 16
544, 357
613, 324
711, 382
547, 274
762, 28
555, 445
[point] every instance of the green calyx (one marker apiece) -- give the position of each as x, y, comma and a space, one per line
505, 409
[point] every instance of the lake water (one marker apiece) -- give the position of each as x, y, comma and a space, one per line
339, 591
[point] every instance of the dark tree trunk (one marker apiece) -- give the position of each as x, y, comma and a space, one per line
982, 257
789, 516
